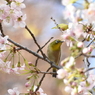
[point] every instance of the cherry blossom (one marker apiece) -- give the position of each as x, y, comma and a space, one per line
70, 63
80, 44
14, 91
40, 91
27, 84
87, 85
88, 14
87, 50
61, 73
69, 12
18, 4
3, 42
12, 14
20, 21
16, 69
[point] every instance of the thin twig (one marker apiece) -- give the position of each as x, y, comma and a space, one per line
45, 44
47, 72
42, 79
89, 69
90, 42
25, 48
84, 38
41, 72
88, 62
92, 56
56, 24
36, 61
35, 40
42, 48
2, 34
78, 55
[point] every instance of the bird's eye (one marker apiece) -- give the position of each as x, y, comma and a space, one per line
56, 42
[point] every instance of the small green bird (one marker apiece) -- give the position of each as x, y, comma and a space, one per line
54, 52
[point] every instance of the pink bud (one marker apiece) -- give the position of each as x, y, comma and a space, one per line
85, 50
74, 84
65, 81
66, 36
68, 89
27, 84
61, 73
30, 63
90, 48
80, 44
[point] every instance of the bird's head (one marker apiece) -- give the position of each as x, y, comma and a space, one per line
55, 45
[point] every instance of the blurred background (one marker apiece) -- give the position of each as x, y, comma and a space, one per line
39, 13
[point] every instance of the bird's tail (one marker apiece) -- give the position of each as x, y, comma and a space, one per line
54, 71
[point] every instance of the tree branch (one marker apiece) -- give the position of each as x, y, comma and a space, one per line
90, 42
42, 48
35, 41
45, 44
56, 24
42, 79
34, 53
2, 33
89, 69
30, 51
92, 56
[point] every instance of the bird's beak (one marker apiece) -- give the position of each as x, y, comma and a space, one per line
62, 41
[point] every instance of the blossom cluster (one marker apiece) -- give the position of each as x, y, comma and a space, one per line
75, 79
79, 37
15, 91
11, 13
5, 65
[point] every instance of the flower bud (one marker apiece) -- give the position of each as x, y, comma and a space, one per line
85, 50
61, 73
80, 44
68, 89
27, 84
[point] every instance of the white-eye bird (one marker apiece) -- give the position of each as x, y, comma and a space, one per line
54, 53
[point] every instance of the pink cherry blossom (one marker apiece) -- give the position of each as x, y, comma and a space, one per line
14, 91
40, 91
18, 5
3, 42
74, 91
87, 49
27, 84
18, 69
5, 66
87, 85
78, 30
70, 63
89, 14
67, 36
4, 11
61, 73
12, 14
20, 21
69, 12
80, 44
68, 89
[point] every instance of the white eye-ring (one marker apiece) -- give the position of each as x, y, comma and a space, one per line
56, 41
